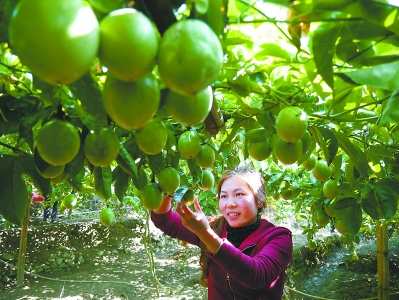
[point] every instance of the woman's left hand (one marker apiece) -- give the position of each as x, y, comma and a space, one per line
196, 220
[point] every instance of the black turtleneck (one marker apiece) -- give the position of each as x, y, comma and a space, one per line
237, 235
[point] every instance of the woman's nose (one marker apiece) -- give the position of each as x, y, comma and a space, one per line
231, 202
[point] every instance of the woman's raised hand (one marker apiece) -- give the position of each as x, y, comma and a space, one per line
196, 220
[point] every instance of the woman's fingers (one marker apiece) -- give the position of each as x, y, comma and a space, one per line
197, 205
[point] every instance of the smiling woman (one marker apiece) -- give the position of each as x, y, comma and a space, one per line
243, 256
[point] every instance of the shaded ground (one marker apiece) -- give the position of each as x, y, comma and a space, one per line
337, 276
112, 263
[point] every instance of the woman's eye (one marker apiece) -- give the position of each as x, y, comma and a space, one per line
240, 194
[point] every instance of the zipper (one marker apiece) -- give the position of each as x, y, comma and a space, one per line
231, 290
228, 276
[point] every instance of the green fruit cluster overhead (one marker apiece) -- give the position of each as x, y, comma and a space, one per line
138, 62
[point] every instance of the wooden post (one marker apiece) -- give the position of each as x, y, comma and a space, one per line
22, 244
382, 261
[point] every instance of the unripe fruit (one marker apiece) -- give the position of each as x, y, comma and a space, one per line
291, 124
131, 105
101, 147
259, 150
190, 110
169, 180
129, 44
310, 163
341, 226
189, 144
57, 40
330, 189
205, 157
58, 142
198, 66
286, 194
188, 197
312, 244
70, 201
287, 153
152, 138
151, 196
329, 211
207, 180
321, 218
321, 171
107, 216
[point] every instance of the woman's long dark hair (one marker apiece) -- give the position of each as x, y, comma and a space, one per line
256, 183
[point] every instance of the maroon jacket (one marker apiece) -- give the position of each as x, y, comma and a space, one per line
256, 270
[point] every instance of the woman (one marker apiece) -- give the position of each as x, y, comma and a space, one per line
242, 255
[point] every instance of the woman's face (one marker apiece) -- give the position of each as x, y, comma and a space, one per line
237, 202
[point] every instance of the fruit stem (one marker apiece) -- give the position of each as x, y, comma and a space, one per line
150, 253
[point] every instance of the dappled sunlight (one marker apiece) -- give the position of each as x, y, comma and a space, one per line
375, 167
391, 19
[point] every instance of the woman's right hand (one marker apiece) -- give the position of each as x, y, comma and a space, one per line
197, 223
196, 220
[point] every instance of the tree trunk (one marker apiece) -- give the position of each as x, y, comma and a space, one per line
22, 244
382, 261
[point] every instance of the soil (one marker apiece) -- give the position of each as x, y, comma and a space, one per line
113, 263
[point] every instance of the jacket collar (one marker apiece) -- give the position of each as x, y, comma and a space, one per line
265, 228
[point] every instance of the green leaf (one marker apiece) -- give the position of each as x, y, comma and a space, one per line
363, 29
25, 132
13, 193
91, 110
46, 91
227, 143
391, 110
349, 174
266, 120
271, 49
327, 141
28, 167
352, 218
355, 154
342, 202
379, 151
306, 155
386, 194
179, 193
155, 162
75, 184
9, 122
13, 190
127, 162
74, 167
122, 180
323, 48
99, 182
381, 14
141, 180
384, 76
344, 94
107, 180
195, 170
